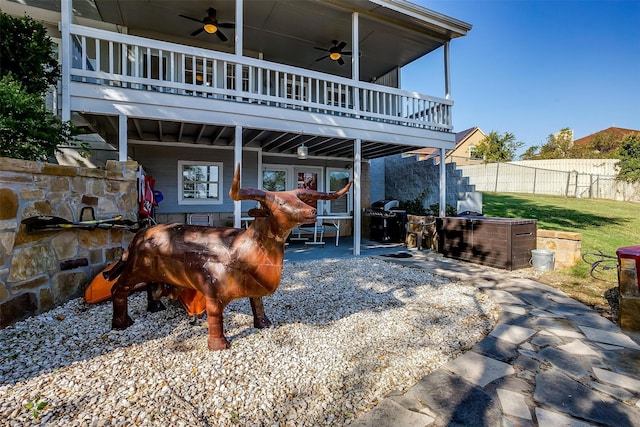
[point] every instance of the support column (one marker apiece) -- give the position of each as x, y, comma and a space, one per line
238, 46
355, 60
357, 196
123, 149
443, 183
66, 15
447, 78
237, 160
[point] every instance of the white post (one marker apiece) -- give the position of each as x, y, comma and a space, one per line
238, 29
355, 41
357, 219
355, 60
122, 138
447, 79
238, 46
237, 161
66, 14
443, 183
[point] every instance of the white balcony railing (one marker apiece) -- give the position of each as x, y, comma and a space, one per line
113, 59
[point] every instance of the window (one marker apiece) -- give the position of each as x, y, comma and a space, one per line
336, 180
274, 179
199, 183
472, 153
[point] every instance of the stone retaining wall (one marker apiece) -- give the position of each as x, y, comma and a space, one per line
40, 270
566, 245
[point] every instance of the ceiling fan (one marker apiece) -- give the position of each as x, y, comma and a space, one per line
335, 52
210, 24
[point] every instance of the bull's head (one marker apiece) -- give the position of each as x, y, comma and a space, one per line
287, 208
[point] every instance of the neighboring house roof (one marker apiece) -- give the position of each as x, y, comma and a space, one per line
616, 133
428, 153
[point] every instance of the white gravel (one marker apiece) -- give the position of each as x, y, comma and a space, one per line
347, 332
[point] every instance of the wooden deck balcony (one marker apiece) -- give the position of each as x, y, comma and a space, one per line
123, 61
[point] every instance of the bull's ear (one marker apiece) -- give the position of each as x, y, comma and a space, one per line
258, 212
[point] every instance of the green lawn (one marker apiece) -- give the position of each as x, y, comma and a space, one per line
605, 225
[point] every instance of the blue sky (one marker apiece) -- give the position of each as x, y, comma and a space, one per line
534, 67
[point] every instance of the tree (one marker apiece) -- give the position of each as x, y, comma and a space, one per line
530, 154
28, 67
27, 53
558, 146
27, 129
629, 154
604, 146
498, 148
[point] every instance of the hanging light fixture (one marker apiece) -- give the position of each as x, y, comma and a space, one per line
303, 151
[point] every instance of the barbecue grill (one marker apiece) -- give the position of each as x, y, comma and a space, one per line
388, 221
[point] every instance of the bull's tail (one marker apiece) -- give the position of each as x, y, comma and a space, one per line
114, 271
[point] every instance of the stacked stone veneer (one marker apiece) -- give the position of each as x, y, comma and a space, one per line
405, 178
40, 270
566, 245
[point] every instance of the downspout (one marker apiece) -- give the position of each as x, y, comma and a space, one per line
66, 15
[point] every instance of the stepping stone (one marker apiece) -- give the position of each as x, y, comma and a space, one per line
511, 333
515, 309
567, 396
514, 404
478, 369
497, 349
566, 362
608, 337
503, 297
579, 348
389, 413
457, 402
547, 418
566, 333
620, 380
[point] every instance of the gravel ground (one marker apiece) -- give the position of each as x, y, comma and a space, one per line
347, 332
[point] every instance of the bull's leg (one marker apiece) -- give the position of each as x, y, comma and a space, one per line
121, 319
154, 293
216, 340
260, 320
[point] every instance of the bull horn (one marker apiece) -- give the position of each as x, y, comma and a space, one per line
304, 194
237, 193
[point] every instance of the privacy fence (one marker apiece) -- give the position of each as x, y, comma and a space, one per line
585, 178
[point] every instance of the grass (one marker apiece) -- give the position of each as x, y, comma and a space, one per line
605, 225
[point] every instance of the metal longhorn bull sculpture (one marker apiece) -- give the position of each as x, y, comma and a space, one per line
223, 264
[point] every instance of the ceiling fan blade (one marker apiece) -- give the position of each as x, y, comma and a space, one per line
190, 18
321, 58
340, 61
196, 32
322, 49
342, 45
226, 25
211, 13
221, 36
347, 53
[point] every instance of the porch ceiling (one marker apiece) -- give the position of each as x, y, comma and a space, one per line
163, 132
285, 31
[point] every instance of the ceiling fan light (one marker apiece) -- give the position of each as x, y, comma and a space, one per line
210, 28
335, 55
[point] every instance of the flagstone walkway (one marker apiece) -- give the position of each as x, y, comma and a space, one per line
550, 361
